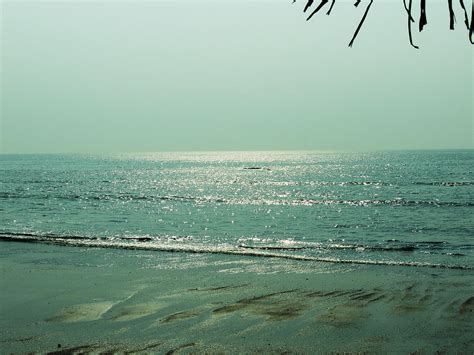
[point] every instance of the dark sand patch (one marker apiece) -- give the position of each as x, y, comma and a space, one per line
344, 315
412, 300
104, 349
467, 306
230, 308
335, 293
219, 288
375, 299
143, 348
83, 349
358, 295
22, 339
172, 351
364, 296
274, 306
180, 315
82, 312
136, 311
282, 311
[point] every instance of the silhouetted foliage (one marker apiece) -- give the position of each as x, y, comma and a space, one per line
408, 8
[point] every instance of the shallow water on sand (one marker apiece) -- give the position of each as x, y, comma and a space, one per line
121, 300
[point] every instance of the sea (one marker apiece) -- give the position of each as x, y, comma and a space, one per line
223, 220
411, 208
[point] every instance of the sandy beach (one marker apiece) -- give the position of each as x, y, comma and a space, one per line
67, 300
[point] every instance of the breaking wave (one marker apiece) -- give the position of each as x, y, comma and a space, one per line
181, 245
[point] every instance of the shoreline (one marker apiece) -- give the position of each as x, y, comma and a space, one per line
246, 251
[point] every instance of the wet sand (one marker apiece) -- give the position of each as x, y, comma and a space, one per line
72, 300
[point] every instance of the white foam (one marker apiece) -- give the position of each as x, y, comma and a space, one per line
226, 250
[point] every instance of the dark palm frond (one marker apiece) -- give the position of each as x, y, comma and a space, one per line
423, 21
323, 2
308, 5
409, 24
452, 18
466, 19
360, 23
332, 5
408, 9
471, 28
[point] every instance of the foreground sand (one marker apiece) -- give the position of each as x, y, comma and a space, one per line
66, 300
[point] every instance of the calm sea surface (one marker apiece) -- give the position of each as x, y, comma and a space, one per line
411, 208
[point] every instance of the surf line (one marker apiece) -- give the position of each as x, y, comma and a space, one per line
218, 250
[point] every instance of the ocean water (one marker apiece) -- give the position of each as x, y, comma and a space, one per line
264, 252
413, 208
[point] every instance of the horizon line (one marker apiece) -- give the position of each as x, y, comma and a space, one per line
244, 151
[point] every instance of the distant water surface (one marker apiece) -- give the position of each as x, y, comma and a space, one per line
412, 208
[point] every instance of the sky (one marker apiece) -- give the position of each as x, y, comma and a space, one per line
145, 76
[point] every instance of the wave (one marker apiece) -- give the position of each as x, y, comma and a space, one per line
356, 247
318, 183
430, 247
150, 244
444, 183
245, 201
378, 183
389, 202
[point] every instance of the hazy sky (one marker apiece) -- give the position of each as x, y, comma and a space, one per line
132, 76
